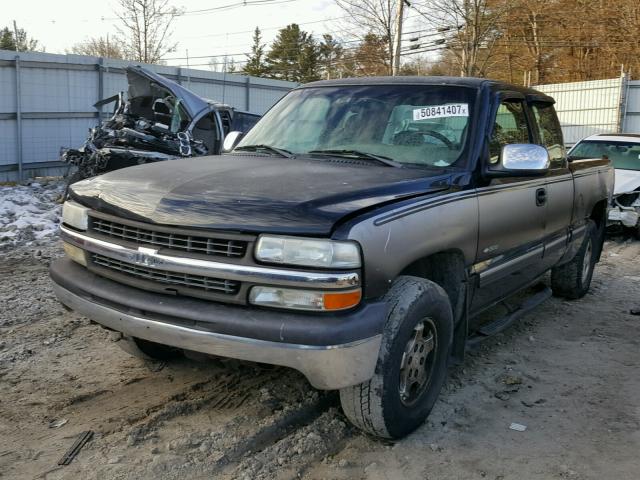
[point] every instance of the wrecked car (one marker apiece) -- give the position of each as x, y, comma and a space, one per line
357, 234
160, 120
624, 152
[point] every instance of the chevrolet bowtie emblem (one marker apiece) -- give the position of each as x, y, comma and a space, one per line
145, 256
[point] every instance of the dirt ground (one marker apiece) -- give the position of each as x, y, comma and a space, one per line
568, 371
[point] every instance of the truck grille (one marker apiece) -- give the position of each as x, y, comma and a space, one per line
173, 241
183, 282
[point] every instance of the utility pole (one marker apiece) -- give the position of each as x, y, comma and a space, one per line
398, 40
15, 35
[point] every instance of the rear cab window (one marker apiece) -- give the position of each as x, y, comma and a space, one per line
550, 133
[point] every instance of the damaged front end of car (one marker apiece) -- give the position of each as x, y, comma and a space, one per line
160, 120
625, 208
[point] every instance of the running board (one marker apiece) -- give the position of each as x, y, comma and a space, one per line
502, 323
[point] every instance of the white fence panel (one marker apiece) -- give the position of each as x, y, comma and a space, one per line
587, 108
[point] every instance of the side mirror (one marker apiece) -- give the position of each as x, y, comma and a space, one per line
521, 159
231, 140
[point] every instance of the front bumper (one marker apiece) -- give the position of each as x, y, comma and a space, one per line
332, 351
626, 216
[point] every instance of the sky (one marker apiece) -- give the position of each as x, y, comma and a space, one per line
60, 24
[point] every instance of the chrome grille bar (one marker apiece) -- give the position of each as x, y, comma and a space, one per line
172, 241
242, 273
199, 282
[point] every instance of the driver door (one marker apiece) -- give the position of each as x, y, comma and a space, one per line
511, 217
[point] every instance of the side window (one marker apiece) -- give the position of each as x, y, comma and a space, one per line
550, 133
206, 130
510, 127
243, 122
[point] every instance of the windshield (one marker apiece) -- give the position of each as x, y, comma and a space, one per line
623, 155
409, 124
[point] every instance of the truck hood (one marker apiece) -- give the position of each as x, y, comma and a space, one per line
253, 193
626, 181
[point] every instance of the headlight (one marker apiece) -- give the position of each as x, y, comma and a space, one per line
307, 252
304, 299
76, 254
75, 215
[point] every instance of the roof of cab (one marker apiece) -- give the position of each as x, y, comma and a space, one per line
470, 82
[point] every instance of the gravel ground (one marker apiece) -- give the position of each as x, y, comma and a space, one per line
568, 371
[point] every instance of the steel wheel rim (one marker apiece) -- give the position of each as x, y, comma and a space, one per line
418, 361
586, 264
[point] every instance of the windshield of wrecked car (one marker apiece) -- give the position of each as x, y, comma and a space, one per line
623, 155
410, 124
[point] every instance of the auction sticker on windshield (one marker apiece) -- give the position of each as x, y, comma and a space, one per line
441, 111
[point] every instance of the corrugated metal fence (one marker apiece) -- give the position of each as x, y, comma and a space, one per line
631, 117
46, 102
587, 108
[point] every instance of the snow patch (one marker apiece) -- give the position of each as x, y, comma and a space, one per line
29, 213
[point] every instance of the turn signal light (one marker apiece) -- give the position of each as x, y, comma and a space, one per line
298, 299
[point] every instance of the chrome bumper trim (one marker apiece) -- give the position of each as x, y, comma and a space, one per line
150, 258
326, 367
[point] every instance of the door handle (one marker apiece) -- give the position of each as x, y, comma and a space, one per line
541, 196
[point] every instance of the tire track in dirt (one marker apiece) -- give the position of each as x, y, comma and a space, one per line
272, 434
229, 392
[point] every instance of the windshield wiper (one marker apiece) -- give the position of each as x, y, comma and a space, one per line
359, 155
253, 148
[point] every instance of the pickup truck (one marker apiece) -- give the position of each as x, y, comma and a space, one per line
355, 234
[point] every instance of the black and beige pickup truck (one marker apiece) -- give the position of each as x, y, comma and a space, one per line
355, 234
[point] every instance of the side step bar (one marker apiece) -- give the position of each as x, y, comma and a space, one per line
502, 323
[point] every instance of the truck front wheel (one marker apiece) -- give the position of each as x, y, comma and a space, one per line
412, 363
148, 350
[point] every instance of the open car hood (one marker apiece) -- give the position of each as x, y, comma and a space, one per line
141, 82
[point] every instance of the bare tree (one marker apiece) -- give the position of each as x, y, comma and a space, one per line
474, 27
145, 29
100, 47
375, 17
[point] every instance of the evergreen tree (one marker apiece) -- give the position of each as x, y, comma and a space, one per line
294, 56
23, 43
330, 54
6, 39
371, 57
256, 65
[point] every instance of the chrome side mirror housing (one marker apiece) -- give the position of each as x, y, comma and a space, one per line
231, 140
521, 159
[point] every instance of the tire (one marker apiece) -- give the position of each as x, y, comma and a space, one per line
157, 351
377, 406
573, 279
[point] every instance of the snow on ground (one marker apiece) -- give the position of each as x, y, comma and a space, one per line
30, 213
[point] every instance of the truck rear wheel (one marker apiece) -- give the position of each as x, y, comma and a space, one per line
412, 363
572, 280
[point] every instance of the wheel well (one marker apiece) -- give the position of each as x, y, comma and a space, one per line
599, 216
447, 270
599, 213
